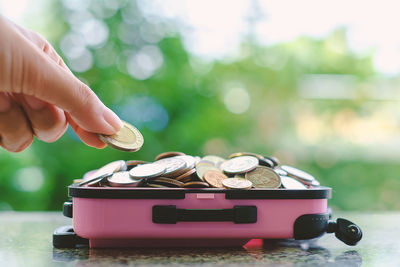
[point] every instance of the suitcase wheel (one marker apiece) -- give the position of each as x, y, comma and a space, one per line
310, 226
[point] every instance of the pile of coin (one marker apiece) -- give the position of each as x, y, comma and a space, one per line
241, 170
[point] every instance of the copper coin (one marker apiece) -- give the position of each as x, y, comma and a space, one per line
185, 175
167, 182
215, 178
169, 154
195, 185
264, 177
191, 178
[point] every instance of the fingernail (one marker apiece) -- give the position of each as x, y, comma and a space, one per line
34, 103
112, 119
5, 103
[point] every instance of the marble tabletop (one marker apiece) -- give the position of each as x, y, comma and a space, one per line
26, 240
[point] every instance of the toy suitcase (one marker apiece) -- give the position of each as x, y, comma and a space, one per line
162, 217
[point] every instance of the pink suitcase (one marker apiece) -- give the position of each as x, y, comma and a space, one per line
162, 217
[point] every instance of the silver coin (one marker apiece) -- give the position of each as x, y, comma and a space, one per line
189, 160
95, 180
280, 172
240, 164
315, 183
111, 167
171, 165
237, 183
300, 175
147, 170
291, 183
273, 159
121, 179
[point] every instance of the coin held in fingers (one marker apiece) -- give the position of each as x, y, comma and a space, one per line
127, 139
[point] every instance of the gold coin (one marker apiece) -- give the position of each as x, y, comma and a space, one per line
215, 178
203, 166
264, 177
156, 186
169, 155
240, 154
195, 185
127, 139
237, 183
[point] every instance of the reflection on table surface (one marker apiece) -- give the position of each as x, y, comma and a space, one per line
26, 241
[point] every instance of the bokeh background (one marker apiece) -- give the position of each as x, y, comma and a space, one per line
313, 83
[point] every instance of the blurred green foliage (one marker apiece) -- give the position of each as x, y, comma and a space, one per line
191, 91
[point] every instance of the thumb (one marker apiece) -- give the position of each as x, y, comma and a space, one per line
48, 81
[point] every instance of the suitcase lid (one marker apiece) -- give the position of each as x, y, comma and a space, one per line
74, 190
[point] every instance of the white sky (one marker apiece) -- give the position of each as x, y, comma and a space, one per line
214, 29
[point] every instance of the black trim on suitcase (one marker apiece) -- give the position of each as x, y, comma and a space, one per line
169, 214
179, 193
67, 209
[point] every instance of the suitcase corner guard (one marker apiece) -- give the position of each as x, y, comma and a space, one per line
310, 226
65, 237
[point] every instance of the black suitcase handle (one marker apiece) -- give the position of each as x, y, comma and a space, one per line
170, 214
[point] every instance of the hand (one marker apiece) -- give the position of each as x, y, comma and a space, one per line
39, 95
